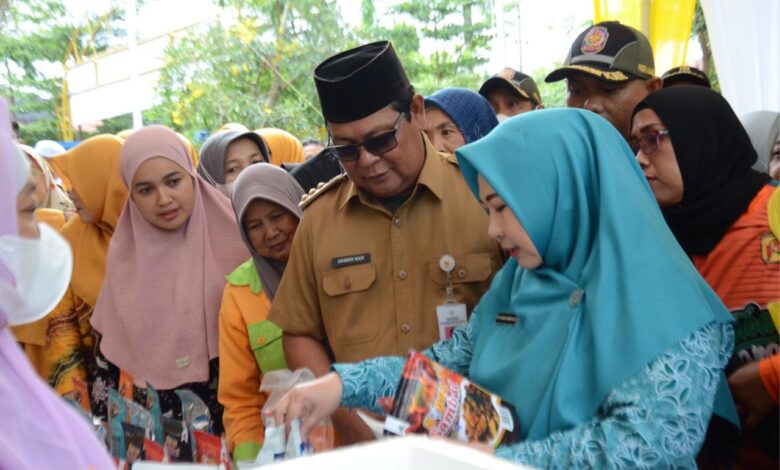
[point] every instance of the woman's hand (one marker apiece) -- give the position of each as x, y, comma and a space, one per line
309, 402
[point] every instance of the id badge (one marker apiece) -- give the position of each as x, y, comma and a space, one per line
450, 316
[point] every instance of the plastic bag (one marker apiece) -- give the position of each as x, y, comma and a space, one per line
276, 447
279, 382
274, 443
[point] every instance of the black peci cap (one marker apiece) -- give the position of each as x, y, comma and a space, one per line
359, 82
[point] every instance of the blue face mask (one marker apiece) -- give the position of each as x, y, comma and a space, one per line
41, 269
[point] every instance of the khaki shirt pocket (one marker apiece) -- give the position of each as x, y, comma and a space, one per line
265, 339
475, 267
351, 308
350, 279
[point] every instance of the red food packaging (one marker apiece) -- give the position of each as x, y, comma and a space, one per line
154, 452
210, 449
125, 385
434, 400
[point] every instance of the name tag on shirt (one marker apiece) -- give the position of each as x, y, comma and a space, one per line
351, 260
450, 316
506, 319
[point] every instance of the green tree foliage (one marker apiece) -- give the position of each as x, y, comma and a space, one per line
699, 31
254, 66
441, 43
36, 32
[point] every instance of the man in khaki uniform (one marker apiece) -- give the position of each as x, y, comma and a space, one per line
364, 276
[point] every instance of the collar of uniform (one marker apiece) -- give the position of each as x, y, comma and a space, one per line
430, 176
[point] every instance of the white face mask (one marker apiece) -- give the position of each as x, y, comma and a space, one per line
502, 117
41, 269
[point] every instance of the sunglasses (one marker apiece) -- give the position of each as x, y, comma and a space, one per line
378, 145
649, 142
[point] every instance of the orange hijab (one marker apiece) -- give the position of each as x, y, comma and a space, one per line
284, 147
92, 167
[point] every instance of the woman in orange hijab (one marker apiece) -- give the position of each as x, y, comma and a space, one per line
283, 146
97, 191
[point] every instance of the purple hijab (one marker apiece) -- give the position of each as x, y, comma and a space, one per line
40, 431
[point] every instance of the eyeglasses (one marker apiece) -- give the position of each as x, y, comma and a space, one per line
378, 145
648, 143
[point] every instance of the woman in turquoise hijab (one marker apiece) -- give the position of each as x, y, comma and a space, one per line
598, 329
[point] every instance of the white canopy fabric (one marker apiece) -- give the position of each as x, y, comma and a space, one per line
745, 40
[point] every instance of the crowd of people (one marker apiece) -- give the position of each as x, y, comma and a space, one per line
611, 268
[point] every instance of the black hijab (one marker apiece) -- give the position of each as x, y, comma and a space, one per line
715, 156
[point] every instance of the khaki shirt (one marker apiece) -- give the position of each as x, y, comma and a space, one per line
366, 282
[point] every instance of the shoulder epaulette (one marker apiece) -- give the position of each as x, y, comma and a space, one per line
450, 157
321, 189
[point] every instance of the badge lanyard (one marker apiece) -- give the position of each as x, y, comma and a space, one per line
451, 314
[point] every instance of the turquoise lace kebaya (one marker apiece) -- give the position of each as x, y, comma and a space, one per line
600, 356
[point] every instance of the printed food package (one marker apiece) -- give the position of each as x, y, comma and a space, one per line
134, 443
177, 440
194, 411
211, 449
434, 400
154, 452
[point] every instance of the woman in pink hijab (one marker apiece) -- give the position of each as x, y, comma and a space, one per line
39, 430
176, 240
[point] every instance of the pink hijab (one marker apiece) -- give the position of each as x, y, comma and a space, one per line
158, 307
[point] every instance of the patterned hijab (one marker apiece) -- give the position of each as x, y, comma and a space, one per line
614, 290
160, 300
715, 156
270, 183
92, 167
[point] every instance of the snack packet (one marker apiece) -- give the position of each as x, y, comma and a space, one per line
138, 415
153, 405
125, 385
134, 443
117, 414
194, 411
435, 400
154, 452
211, 449
177, 440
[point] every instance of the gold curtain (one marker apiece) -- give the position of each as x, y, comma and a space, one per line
667, 23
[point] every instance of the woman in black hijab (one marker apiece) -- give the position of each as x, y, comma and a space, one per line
697, 158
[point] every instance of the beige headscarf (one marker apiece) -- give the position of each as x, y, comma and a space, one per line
55, 197
158, 308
